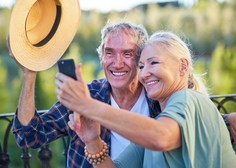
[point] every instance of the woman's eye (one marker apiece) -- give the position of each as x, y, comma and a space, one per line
141, 66
154, 62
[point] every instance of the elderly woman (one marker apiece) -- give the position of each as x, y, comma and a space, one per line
189, 132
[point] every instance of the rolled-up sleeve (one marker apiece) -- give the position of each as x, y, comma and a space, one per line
42, 129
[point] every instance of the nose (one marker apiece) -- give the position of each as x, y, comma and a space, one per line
118, 61
144, 73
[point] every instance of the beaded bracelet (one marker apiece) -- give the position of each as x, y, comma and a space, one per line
98, 158
226, 118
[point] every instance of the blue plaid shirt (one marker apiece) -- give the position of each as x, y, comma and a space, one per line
52, 125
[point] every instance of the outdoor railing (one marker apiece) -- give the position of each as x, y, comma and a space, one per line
225, 104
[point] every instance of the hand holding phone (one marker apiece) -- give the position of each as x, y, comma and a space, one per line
67, 67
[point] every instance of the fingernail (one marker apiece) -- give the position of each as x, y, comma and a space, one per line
78, 126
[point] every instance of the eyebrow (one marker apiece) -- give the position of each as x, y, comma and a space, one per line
149, 59
129, 50
125, 50
107, 48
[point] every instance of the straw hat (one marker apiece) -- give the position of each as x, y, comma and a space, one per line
42, 30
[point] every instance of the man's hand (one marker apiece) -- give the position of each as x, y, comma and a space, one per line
25, 70
232, 125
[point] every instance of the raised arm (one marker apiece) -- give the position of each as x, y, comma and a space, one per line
26, 104
139, 129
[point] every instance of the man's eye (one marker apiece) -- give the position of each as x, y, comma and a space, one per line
108, 53
128, 54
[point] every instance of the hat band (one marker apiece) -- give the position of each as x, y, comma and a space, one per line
53, 30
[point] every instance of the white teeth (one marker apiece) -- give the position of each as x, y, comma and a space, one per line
119, 73
151, 82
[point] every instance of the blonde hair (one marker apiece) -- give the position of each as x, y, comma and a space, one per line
179, 49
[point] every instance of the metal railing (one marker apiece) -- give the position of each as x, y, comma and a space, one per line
225, 104
44, 153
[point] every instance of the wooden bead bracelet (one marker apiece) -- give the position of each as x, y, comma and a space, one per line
98, 158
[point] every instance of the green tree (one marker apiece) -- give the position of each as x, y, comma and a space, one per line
222, 70
4, 94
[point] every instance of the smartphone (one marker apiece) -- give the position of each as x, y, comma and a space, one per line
67, 67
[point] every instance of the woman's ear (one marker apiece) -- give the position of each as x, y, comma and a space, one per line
184, 66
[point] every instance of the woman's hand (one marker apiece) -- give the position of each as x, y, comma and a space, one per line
73, 94
88, 130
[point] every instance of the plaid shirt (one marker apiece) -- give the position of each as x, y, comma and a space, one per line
53, 124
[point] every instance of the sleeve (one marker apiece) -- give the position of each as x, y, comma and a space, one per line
42, 129
132, 156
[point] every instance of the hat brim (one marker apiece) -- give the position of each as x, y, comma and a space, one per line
45, 56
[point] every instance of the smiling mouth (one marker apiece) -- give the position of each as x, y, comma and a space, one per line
119, 73
152, 82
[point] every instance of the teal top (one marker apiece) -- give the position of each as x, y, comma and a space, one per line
205, 138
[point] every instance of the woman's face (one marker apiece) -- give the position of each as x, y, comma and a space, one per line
160, 73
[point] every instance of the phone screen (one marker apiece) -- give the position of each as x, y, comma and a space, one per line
67, 67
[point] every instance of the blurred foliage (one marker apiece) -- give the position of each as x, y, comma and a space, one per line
222, 69
208, 26
4, 96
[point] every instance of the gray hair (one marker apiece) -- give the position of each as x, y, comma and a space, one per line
179, 49
137, 31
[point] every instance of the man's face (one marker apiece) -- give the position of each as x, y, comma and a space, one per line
119, 60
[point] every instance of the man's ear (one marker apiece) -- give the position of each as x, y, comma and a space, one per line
184, 66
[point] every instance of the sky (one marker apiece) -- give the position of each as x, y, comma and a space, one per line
101, 5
